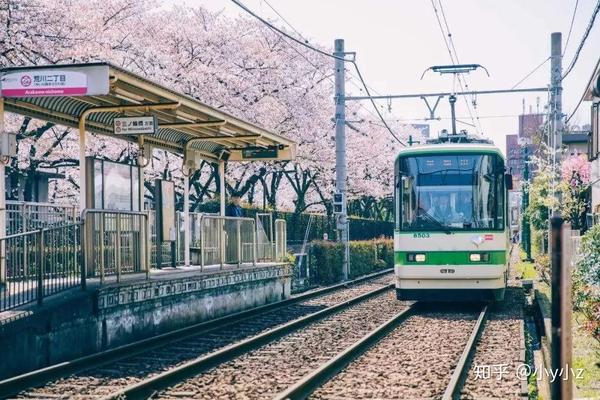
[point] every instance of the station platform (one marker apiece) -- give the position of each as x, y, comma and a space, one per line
79, 322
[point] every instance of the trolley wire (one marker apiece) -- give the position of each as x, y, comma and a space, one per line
583, 40
453, 56
315, 49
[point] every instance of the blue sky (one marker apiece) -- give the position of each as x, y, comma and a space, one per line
396, 40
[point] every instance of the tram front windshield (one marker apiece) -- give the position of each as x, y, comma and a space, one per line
450, 192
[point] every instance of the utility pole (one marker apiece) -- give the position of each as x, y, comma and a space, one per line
340, 151
556, 98
525, 227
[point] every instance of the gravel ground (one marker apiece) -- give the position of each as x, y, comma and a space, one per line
102, 381
500, 348
272, 368
415, 361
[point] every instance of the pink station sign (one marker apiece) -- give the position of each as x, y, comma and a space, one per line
34, 83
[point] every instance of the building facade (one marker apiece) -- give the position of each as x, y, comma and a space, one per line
529, 125
593, 94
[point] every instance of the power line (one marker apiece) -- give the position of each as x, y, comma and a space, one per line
582, 95
375, 106
571, 27
531, 73
583, 39
307, 42
310, 62
281, 32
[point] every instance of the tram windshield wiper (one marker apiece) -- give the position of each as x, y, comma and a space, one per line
435, 221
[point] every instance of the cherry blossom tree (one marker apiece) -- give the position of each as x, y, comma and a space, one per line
235, 64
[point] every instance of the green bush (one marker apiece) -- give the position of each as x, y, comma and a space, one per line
366, 256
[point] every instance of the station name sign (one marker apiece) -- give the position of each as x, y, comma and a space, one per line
254, 153
60, 81
144, 125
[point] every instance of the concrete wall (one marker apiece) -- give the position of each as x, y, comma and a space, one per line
82, 323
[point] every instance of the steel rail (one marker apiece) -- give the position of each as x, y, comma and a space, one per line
147, 388
460, 371
307, 385
14, 385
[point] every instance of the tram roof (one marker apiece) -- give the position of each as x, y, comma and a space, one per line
111, 91
441, 148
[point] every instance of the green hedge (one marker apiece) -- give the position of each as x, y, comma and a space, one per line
366, 256
360, 228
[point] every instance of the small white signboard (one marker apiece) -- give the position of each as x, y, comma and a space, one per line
145, 125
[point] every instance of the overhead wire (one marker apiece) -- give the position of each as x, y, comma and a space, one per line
307, 45
582, 96
453, 57
310, 62
570, 27
292, 27
583, 40
530, 73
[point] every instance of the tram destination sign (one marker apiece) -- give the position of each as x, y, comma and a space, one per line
144, 125
58, 81
254, 153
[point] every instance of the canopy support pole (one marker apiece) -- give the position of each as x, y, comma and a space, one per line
2, 202
186, 217
222, 186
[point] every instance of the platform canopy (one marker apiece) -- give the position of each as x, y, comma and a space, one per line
90, 96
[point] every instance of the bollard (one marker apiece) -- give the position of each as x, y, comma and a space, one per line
561, 387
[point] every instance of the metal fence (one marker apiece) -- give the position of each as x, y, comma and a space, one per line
24, 217
115, 243
222, 240
40, 263
280, 240
167, 258
264, 236
574, 247
65, 250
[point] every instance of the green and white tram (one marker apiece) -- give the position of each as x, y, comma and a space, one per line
451, 236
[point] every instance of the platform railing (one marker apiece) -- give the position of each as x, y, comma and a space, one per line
40, 263
116, 243
28, 216
223, 240
280, 240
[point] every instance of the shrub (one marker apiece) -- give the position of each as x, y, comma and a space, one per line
366, 256
586, 281
544, 268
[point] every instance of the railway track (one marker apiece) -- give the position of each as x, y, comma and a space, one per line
415, 354
269, 369
158, 360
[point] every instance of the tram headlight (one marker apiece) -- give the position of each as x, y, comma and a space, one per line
416, 257
475, 257
479, 257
